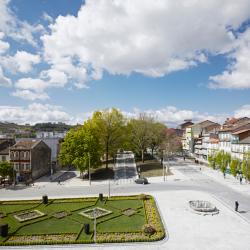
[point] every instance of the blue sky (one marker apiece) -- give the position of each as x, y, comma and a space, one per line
61, 60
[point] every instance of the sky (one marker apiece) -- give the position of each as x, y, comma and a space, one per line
61, 60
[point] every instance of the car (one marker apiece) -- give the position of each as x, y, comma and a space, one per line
141, 180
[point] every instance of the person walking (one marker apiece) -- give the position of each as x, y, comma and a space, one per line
236, 206
240, 179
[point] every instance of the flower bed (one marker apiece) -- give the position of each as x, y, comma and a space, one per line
29, 215
96, 212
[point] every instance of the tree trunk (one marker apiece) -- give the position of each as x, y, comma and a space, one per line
107, 155
142, 156
152, 152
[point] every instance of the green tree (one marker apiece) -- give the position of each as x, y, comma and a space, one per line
6, 169
246, 166
234, 165
211, 161
81, 146
109, 126
156, 135
139, 134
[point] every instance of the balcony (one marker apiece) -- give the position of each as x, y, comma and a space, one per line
235, 141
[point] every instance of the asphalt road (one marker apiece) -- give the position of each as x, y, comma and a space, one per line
196, 181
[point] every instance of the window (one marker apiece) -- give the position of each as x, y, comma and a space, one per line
16, 155
22, 155
16, 166
27, 166
12, 155
27, 155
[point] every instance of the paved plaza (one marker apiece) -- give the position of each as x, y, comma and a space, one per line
185, 229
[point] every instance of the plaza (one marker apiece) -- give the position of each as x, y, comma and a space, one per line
184, 228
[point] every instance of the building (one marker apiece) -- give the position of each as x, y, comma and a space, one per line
51, 134
31, 159
4, 148
187, 140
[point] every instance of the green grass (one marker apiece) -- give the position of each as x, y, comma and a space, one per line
151, 168
51, 226
123, 223
73, 223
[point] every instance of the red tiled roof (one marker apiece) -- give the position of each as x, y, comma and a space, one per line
25, 144
241, 131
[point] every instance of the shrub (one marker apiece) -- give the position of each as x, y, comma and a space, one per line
142, 197
148, 229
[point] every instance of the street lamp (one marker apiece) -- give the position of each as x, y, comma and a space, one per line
89, 170
95, 225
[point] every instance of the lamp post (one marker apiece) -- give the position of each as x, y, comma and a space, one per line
95, 225
109, 187
89, 170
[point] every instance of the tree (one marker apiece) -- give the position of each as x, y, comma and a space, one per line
156, 135
6, 169
246, 166
109, 126
234, 165
211, 161
81, 146
139, 133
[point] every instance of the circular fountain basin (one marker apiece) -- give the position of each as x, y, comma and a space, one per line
203, 207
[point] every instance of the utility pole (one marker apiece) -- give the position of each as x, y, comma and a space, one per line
89, 170
95, 225
109, 187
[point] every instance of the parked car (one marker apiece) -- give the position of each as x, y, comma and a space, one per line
141, 180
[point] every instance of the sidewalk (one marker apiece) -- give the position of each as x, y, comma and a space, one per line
229, 180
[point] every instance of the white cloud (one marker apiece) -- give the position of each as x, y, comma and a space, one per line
237, 76
4, 81
173, 116
151, 37
47, 17
21, 62
55, 77
4, 46
37, 85
34, 113
30, 95
15, 28
243, 111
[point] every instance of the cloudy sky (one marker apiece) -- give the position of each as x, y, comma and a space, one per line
185, 59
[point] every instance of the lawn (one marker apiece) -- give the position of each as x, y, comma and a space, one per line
151, 168
63, 221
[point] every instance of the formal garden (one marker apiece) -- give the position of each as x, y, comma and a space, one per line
80, 220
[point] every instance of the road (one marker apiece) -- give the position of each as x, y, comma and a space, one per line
196, 181
125, 167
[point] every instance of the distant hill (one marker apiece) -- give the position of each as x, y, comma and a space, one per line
7, 127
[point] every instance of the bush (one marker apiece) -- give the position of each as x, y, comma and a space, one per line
142, 197
148, 229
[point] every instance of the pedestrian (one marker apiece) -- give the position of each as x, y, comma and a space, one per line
240, 179
236, 206
59, 182
224, 174
184, 158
